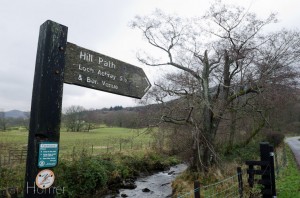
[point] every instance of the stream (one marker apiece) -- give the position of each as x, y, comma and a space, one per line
153, 186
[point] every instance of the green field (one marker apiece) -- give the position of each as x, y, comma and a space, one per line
100, 140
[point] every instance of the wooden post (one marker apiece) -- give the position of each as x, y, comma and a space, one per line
9, 157
240, 180
273, 184
197, 189
73, 154
251, 176
107, 146
21, 156
266, 177
46, 101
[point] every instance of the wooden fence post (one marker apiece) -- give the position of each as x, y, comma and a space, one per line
240, 180
273, 184
21, 156
266, 176
9, 157
197, 189
73, 153
251, 176
107, 146
267, 171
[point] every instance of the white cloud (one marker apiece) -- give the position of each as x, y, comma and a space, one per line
98, 25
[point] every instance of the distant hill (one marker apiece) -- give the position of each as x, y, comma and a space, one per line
15, 114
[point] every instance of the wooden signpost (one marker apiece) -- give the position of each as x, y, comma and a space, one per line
97, 71
57, 62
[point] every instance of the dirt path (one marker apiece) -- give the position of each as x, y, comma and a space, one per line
294, 143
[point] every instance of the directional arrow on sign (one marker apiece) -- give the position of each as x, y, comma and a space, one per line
90, 69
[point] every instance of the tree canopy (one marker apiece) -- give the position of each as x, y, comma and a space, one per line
227, 61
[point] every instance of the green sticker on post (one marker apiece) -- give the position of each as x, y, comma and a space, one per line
48, 154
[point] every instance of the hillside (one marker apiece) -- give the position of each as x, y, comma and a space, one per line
15, 114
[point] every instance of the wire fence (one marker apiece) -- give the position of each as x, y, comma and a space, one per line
234, 186
230, 187
11, 156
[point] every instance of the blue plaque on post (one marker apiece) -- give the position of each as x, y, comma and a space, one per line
48, 154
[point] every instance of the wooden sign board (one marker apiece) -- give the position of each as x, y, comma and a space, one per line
90, 69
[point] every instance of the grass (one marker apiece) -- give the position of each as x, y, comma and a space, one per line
288, 182
100, 140
104, 140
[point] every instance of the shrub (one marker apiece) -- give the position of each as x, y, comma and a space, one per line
12, 177
83, 177
275, 138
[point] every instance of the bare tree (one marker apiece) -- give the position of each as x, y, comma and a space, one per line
74, 118
221, 57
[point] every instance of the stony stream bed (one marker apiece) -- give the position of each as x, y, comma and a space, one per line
153, 186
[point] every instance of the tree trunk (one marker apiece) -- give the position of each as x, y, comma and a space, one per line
233, 116
208, 135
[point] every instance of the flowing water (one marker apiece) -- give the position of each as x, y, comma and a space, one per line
158, 185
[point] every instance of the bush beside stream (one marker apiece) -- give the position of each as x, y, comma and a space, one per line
85, 175
91, 175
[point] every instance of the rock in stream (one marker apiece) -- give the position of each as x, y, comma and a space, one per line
153, 186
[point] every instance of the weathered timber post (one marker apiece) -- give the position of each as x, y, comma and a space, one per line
196, 189
240, 181
46, 101
266, 180
272, 167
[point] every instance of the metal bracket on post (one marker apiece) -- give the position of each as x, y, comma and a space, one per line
46, 102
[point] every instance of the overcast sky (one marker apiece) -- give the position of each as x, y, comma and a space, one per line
99, 25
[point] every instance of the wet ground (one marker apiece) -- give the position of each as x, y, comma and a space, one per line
154, 186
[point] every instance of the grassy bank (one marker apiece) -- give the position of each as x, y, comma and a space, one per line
223, 178
288, 181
